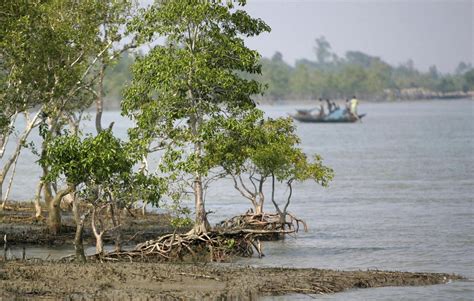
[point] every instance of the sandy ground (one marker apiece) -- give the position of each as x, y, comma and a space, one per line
153, 281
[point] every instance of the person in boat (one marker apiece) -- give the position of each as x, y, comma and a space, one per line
330, 107
347, 107
335, 106
321, 109
353, 107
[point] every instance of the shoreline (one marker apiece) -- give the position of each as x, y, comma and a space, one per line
361, 100
17, 221
114, 108
165, 281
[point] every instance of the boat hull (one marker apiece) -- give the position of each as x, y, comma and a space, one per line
316, 119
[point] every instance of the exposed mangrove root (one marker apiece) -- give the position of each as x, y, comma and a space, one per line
269, 226
211, 246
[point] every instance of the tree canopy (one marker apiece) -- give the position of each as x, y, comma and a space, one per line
181, 90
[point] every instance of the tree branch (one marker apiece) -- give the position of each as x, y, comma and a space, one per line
242, 192
273, 195
245, 187
289, 195
6, 135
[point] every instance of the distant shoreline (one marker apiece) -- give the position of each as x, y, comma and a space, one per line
341, 101
470, 96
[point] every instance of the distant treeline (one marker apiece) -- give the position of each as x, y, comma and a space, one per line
331, 76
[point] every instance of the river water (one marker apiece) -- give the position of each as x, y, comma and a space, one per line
402, 197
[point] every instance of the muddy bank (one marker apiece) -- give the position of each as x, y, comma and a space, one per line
142, 281
17, 221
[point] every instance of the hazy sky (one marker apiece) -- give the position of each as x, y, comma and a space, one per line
428, 31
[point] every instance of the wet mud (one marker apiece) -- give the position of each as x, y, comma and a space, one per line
47, 280
155, 281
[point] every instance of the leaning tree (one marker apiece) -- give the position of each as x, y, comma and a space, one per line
53, 55
181, 88
23, 77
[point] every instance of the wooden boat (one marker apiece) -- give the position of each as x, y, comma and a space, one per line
336, 116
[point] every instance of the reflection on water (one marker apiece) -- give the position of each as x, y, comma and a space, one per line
402, 198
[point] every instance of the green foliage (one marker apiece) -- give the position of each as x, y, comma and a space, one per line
100, 162
276, 74
180, 222
46, 47
49, 52
230, 243
182, 92
469, 80
358, 73
277, 153
95, 160
267, 148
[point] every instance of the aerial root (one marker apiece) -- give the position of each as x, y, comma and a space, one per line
211, 246
265, 226
237, 236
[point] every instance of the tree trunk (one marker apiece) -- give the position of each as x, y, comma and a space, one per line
47, 187
273, 198
99, 242
201, 224
54, 214
288, 200
118, 232
47, 190
260, 197
1, 185
78, 238
99, 102
10, 182
39, 187
21, 141
78, 242
54, 218
118, 241
5, 135
282, 217
259, 208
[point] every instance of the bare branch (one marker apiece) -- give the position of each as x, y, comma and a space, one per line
289, 195
26, 132
10, 182
252, 178
99, 55
273, 195
260, 184
242, 192
246, 188
6, 135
